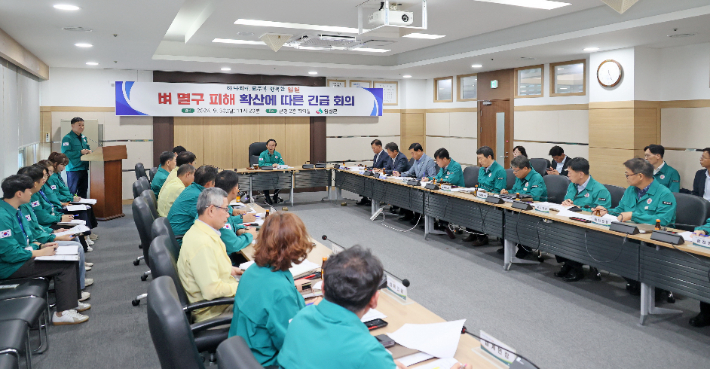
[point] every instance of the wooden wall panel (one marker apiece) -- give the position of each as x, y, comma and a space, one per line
607, 165
296, 147
646, 128
189, 133
611, 128
245, 131
412, 129
218, 144
506, 86
163, 137
273, 127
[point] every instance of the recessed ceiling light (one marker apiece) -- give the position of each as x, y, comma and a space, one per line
262, 23
226, 69
537, 4
369, 50
591, 49
92, 63
312, 72
66, 7
477, 66
681, 35
77, 29
81, 44
424, 35
406, 76
240, 42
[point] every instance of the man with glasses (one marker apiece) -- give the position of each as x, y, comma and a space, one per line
701, 183
662, 172
204, 268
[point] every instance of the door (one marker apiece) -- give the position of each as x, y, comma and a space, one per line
495, 129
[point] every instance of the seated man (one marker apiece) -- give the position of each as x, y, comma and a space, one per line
396, 163
182, 158
204, 268
271, 157
17, 256
701, 183
560, 161
662, 172
586, 193
492, 177
644, 201
183, 213
178, 149
171, 191
378, 162
449, 170
350, 288
234, 235
167, 164
424, 166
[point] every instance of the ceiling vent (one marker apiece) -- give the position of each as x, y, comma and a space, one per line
620, 5
77, 29
275, 40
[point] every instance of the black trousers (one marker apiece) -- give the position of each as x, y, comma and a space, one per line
704, 308
276, 193
66, 279
569, 262
78, 183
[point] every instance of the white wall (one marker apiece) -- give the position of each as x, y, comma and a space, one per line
624, 91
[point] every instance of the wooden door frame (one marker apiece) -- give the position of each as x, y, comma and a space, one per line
509, 126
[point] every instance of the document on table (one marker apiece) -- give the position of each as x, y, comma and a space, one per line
67, 250
246, 265
437, 339
76, 207
297, 270
85, 201
440, 364
75, 230
64, 253
372, 314
237, 204
687, 236
73, 222
572, 214
412, 359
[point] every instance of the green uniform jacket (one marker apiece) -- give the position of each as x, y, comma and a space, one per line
184, 211
451, 174
343, 341
265, 159
668, 177
532, 185
39, 234
265, 303
705, 227
13, 241
60, 188
494, 179
51, 196
657, 203
44, 209
228, 234
595, 194
71, 147
157, 182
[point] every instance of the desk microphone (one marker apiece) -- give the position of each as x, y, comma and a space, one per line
405, 282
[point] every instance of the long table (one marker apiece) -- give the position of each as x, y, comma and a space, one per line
283, 179
684, 269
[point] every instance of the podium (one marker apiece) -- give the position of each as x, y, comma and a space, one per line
106, 185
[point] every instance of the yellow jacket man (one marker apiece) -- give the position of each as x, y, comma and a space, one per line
205, 270
171, 190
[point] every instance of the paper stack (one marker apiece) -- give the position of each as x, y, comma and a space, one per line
85, 201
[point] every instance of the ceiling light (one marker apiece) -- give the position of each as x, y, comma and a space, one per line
92, 63
66, 7
537, 4
77, 29
261, 23
312, 72
406, 76
681, 35
477, 66
226, 69
369, 50
240, 42
591, 49
83, 45
424, 35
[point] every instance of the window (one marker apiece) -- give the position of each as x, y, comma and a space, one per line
444, 89
528, 81
467, 87
568, 78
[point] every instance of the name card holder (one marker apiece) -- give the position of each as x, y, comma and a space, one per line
702, 241
397, 290
320, 165
445, 187
494, 200
668, 237
431, 186
601, 221
413, 182
366, 173
623, 228
543, 208
383, 176
522, 205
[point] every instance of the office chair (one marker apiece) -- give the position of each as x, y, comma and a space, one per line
235, 353
137, 188
143, 217
540, 165
13, 341
510, 179
29, 310
470, 176
410, 164
691, 211
140, 171
152, 172
149, 197
556, 188
616, 194
161, 227
145, 185
255, 150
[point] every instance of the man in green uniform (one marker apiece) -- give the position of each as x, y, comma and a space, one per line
662, 172
449, 170
183, 213
167, 164
271, 157
234, 234
586, 193
493, 178
183, 158
74, 145
527, 181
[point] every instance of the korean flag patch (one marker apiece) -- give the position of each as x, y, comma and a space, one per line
53, 187
227, 226
586, 194
490, 174
65, 144
649, 201
35, 204
29, 218
663, 176
4, 234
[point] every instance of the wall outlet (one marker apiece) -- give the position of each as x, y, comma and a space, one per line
47, 138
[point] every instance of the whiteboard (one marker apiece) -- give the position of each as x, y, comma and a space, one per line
389, 92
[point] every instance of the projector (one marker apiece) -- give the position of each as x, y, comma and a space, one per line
397, 18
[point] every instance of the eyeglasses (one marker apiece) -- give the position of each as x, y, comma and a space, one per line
629, 175
225, 208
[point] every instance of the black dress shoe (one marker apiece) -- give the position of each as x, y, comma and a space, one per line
563, 271
268, 200
700, 320
277, 199
470, 238
363, 201
574, 275
596, 275
407, 217
634, 289
394, 210
449, 233
480, 240
521, 253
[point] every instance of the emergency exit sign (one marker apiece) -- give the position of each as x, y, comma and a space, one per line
494, 83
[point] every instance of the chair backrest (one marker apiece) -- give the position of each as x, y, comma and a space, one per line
152, 172
616, 194
149, 197
510, 179
556, 188
137, 189
143, 218
161, 227
140, 171
540, 165
234, 353
162, 263
145, 185
691, 211
410, 164
255, 150
470, 176
170, 329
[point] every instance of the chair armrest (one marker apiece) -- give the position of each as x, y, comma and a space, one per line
208, 303
211, 323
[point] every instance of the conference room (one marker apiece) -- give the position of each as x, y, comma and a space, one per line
367, 184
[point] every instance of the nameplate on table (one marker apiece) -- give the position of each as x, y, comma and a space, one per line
445, 187
383, 176
395, 286
541, 207
601, 220
497, 349
702, 241
482, 194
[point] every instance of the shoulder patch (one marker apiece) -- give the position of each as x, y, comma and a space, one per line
28, 217
667, 203
53, 187
35, 204
534, 186
5, 234
601, 199
65, 144
227, 226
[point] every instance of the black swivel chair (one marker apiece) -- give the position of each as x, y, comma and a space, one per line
540, 165
144, 183
137, 189
691, 211
510, 179
13, 341
164, 265
255, 150
152, 172
616, 194
149, 197
29, 310
140, 171
143, 217
410, 164
556, 188
234, 353
30, 287
470, 176
161, 227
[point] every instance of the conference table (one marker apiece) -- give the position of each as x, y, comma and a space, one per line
282, 179
682, 269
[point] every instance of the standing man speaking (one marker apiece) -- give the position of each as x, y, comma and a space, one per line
74, 145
